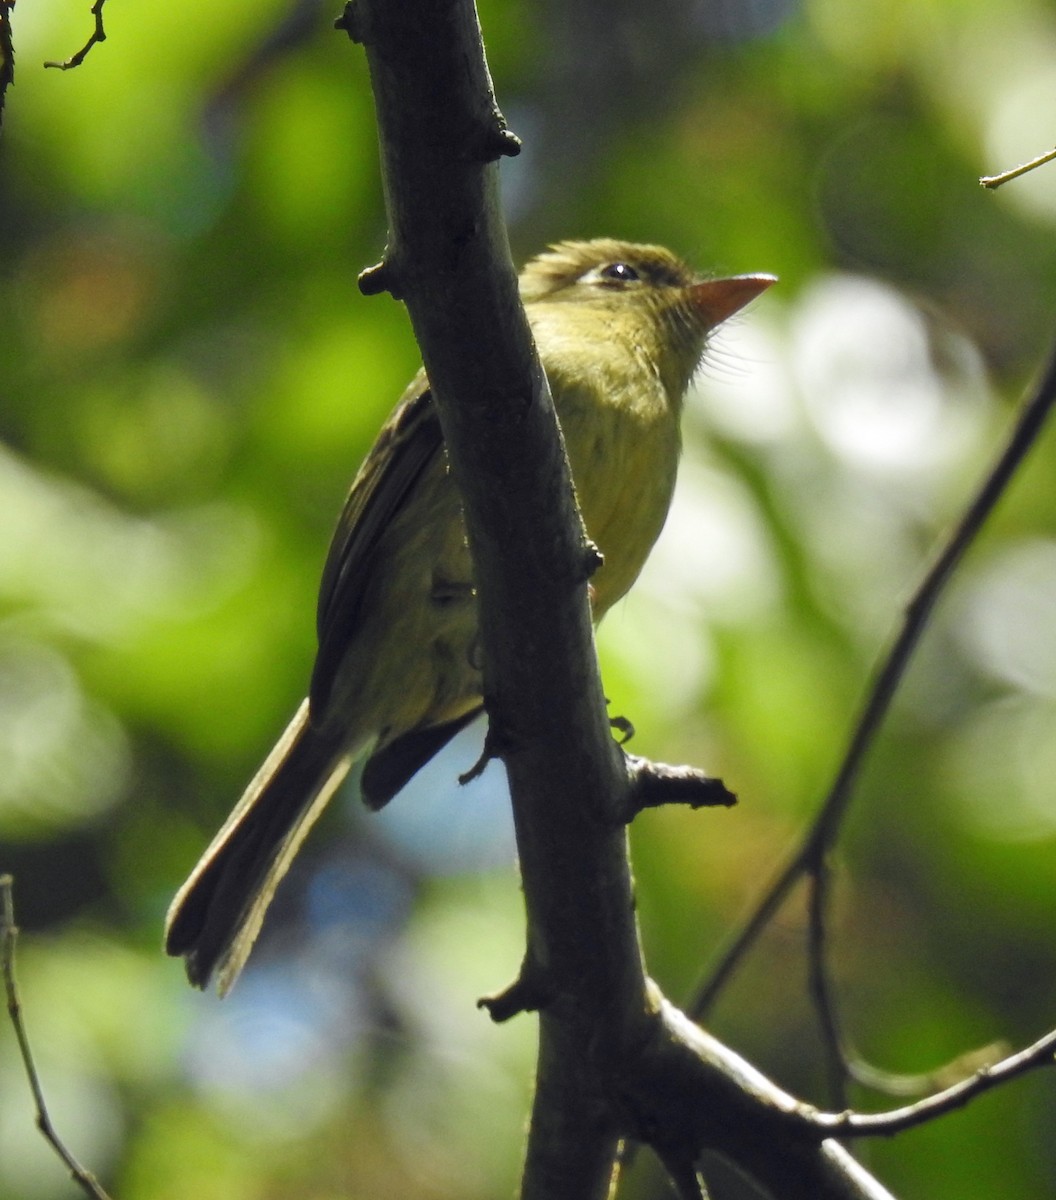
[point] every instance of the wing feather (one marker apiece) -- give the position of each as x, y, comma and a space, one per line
408, 442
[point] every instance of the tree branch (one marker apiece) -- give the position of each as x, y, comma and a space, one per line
995, 181
849, 1124
601, 1024
98, 34
689, 1091
448, 257
7, 53
655, 784
808, 859
84, 1179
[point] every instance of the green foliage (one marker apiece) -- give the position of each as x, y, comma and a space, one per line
188, 380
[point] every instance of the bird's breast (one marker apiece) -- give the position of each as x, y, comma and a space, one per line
623, 450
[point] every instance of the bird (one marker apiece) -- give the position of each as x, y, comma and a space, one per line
621, 329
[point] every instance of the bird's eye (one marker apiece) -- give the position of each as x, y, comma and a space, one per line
619, 272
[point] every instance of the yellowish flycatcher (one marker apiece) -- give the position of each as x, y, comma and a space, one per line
620, 330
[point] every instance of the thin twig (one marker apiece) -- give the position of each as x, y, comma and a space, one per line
848, 1124
892, 1083
821, 986
8, 935
7, 52
844, 1064
822, 833
995, 181
98, 35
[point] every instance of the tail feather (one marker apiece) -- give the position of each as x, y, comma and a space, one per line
216, 915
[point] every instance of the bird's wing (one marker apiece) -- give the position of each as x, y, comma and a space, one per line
408, 442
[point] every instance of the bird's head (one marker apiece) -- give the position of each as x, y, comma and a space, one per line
641, 294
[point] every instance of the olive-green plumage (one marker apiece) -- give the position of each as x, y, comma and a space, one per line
620, 330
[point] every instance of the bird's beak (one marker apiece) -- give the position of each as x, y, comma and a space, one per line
717, 299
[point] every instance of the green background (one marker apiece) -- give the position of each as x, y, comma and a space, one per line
188, 380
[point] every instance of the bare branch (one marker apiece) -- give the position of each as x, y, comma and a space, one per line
848, 1124
995, 181
706, 1085
893, 1083
703, 1096
809, 857
7, 53
98, 35
527, 993
448, 258
8, 936
821, 987
611, 1050
844, 1064
655, 784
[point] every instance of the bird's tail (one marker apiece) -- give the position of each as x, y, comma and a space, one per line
216, 915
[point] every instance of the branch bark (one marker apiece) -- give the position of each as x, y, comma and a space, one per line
612, 1053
